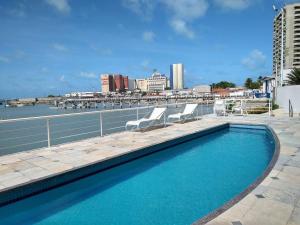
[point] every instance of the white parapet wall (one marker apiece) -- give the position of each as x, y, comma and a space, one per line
286, 93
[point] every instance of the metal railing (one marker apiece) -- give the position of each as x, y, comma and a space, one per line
248, 106
45, 131
291, 110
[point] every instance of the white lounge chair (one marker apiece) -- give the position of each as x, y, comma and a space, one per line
220, 108
187, 113
155, 116
239, 108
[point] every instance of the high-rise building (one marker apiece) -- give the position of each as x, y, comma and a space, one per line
177, 76
157, 82
114, 82
107, 83
286, 42
119, 83
126, 82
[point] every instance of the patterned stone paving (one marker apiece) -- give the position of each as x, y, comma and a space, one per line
280, 190
277, 199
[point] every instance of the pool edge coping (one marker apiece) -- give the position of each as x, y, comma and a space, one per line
217, 212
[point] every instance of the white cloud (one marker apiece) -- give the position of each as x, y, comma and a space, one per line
4, 59
255, 60
18, 11
60, 47
146, 65
44, 69
89, 75
143, 8
180, 27
19, 54
184, 12
148, 36
106, 52
234, 4
61, 6
62, 78
102, 51
187, 9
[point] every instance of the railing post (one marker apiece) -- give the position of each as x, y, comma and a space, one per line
269, 107
206, 111
225, 108
48, 133
242, 111
101, 125
137, 113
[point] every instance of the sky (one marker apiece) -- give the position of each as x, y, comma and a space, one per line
59, 46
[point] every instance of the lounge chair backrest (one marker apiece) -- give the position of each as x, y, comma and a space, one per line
219, 104
157, 113
189, 108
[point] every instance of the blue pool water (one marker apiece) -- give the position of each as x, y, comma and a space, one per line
175, 186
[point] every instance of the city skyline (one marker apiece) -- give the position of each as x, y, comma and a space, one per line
58, 46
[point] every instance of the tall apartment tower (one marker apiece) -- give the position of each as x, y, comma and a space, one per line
107, 83
286, 42
114, 82
177, 76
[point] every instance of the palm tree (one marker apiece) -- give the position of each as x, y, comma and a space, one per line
293, 78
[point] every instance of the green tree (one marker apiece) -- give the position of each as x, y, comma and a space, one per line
248, 83
293, 78
223, 84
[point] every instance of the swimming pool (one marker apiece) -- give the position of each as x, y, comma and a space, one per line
177, 185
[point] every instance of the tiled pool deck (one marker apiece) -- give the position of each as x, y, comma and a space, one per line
275, 201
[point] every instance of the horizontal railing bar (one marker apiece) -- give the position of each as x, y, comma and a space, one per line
130, 115
86, 113
24, 128
53, 124
122, 121
114, 128
69, 115
77, 128
31, 143
43, 126
14, 138
74, 135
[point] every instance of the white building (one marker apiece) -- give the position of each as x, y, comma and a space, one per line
157, 82
268, 86
202, 89
141, 84
177, 76
286, 42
